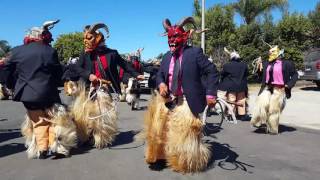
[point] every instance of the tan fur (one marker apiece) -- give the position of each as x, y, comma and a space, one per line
268, 108
276, 106
155, 129
260, 110
90, 123
64, 130
70, 88
174, 136
185, 152
2, 96
27, 132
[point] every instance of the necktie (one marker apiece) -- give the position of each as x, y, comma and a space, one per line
175, 78
271, 72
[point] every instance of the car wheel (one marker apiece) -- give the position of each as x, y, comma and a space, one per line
318, 84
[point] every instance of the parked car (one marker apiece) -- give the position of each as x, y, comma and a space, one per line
312, 66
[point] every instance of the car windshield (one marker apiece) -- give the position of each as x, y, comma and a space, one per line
313, 56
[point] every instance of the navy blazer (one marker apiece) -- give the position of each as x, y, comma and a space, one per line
38, 73
290, 76
194, 66
84, 67
234, 77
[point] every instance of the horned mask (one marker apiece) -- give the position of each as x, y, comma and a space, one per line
274, 53
177, 35
40, 33
92, 38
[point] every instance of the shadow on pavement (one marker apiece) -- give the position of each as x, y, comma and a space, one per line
12, 148
81, 149
7, 134
210, 129
225, 158
282, 129
126, 137
310, 88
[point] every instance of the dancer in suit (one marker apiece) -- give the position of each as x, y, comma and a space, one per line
173, 128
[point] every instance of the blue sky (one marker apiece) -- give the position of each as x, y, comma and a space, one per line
132, 24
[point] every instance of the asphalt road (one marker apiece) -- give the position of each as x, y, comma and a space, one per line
239, 152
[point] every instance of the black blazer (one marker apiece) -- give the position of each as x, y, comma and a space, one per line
234, 77
85, 66
38, 73
194, 66
290, 76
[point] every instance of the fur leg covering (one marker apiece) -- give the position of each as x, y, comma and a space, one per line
2, 96
27, 132
155, 129
4, 93
277, 102
260, 110
62, 133
95, 118
185, 152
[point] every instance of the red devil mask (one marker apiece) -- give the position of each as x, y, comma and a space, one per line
177, 36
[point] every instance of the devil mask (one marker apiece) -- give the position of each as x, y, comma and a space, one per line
177, 36
92, 37
274, 53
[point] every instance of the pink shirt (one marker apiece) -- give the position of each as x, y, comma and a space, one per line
170, 74
277, 73
171, 67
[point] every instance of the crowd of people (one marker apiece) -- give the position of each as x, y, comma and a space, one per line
183, 84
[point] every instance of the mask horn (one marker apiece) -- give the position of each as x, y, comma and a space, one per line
226, 50
266, 43
166, 24
187, 20
97, 26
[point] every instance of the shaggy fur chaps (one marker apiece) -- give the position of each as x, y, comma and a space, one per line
62, 135
95, 118
268, 108
175, 136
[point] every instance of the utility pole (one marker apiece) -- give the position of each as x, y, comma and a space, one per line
203, 26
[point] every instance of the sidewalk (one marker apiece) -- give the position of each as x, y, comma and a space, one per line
302, 109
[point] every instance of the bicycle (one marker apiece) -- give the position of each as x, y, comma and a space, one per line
212, 118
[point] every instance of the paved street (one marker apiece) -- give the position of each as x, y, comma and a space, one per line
239, 152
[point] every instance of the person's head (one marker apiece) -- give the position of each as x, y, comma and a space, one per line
275, 53
177, 35
40, 33
234, 55
92, 38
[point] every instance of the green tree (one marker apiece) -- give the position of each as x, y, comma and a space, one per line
69, 45
221, 29
293, 36
251, 9
4, 48
314, 33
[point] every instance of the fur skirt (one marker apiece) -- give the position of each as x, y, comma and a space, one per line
95, 118
62, 133
268, 108
175, 135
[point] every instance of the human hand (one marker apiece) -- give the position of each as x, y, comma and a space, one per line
211, 102
93, 78
140, 77
1, 61
163, 89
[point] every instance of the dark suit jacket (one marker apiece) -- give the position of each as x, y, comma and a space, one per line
85, 66
234, 77
290, 76
38, 73
194, 66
